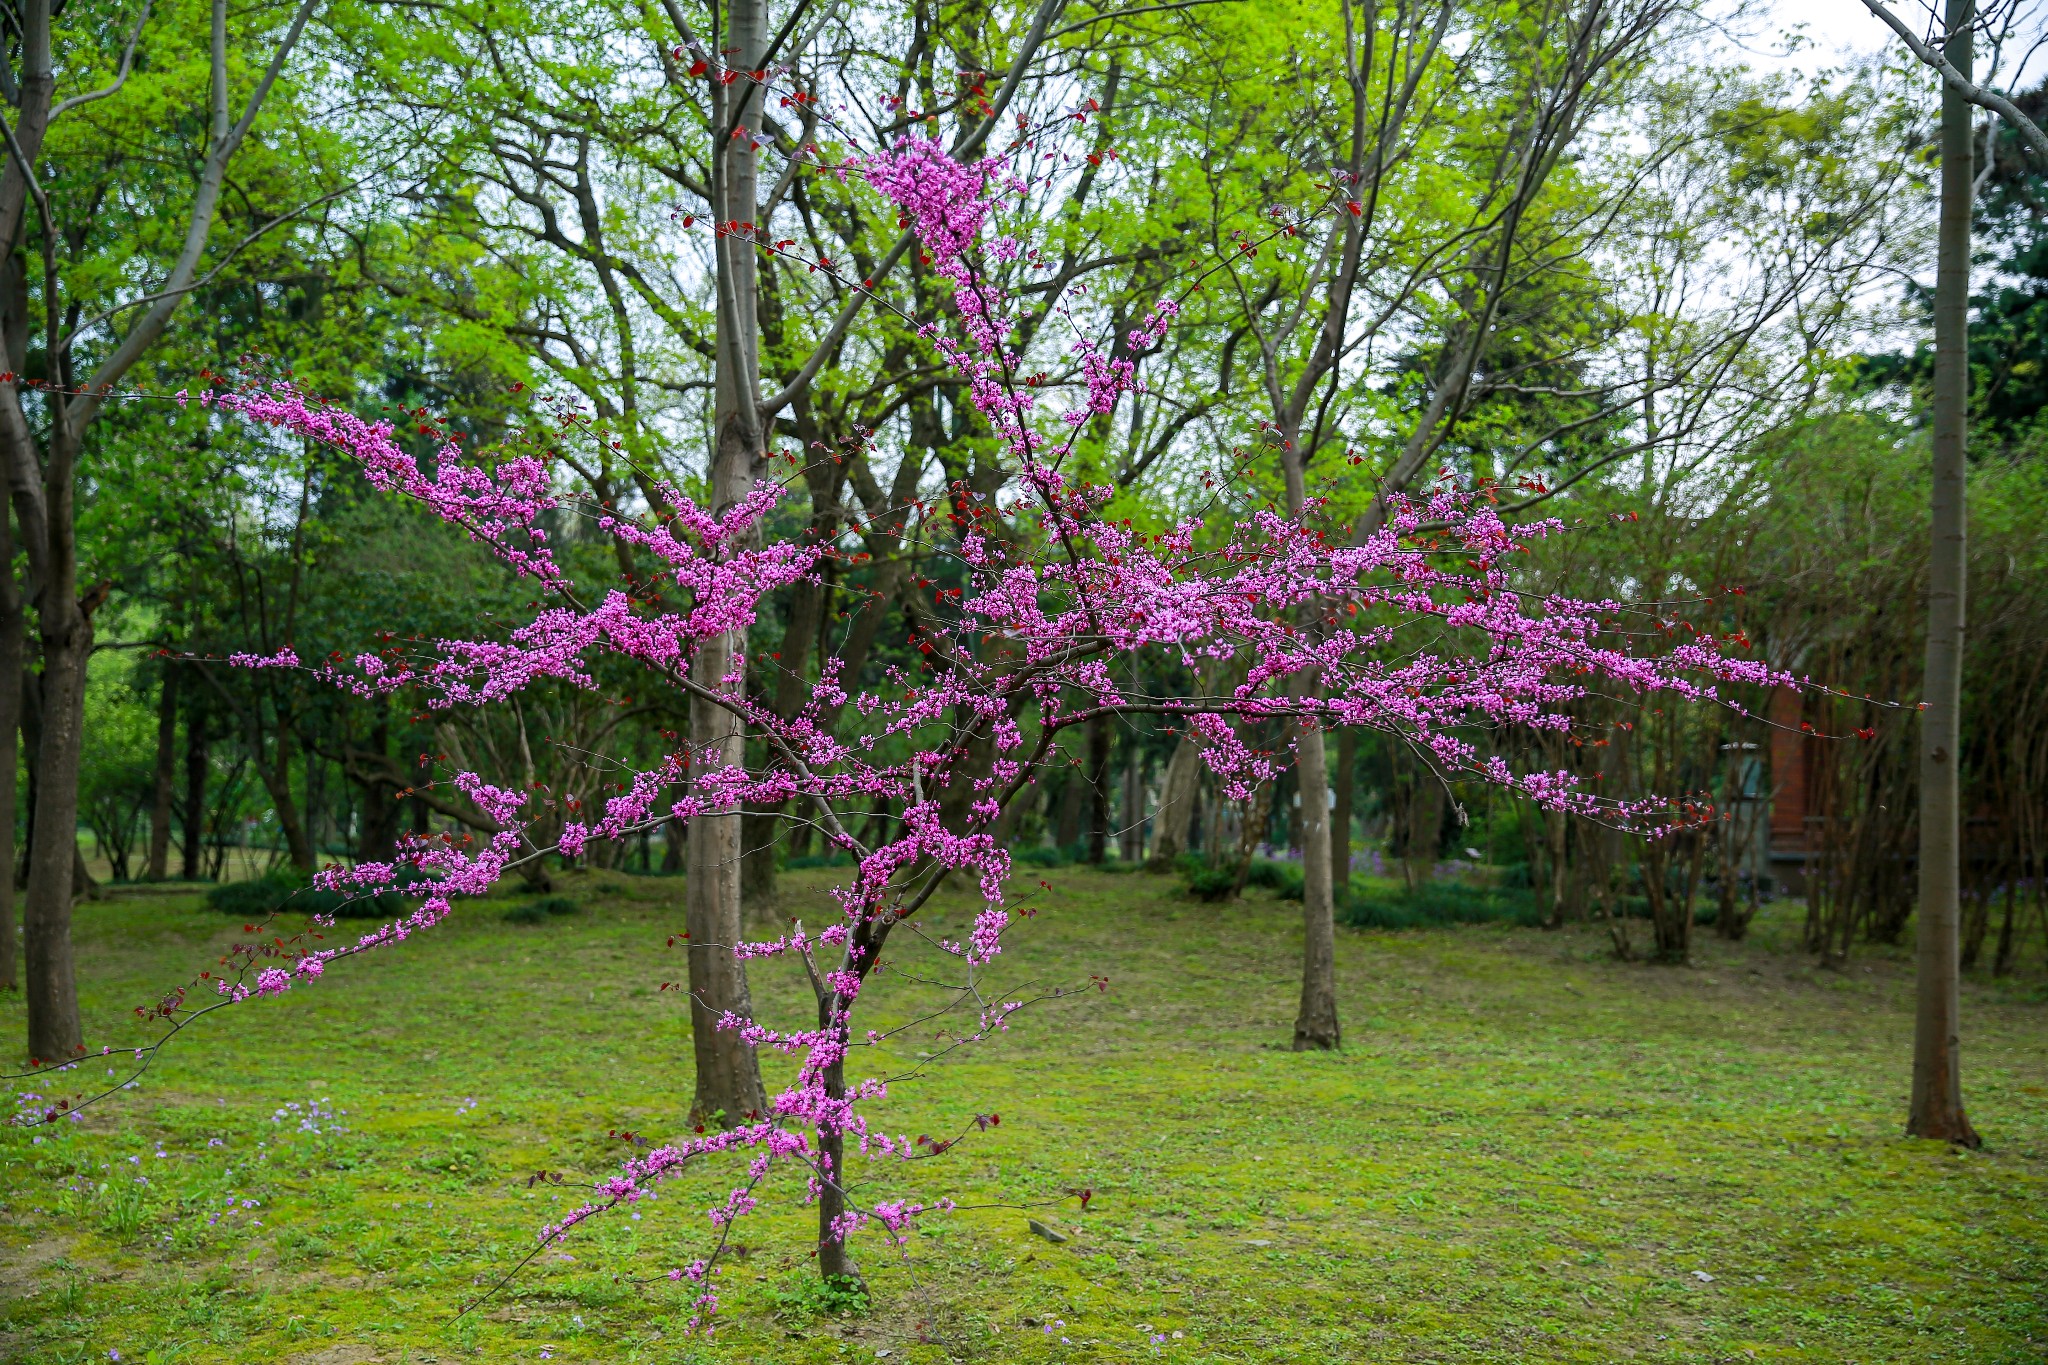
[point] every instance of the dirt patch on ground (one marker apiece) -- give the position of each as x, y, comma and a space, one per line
347, 1354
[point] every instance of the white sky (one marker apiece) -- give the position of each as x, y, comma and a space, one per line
1838, 31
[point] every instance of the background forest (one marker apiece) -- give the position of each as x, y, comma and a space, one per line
1601, 267
1701, 343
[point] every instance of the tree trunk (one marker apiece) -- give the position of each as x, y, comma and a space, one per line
728, 1073
31, 751
1098, 789
166, 782
54, 1033
196, 767
1073, 811
1340, 818
757, 857
1937, 1104
1258, 814
1315, 1028
834, 1264
1176, 803
1131, 837
277, 781
12, 648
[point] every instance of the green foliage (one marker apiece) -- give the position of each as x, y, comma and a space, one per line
1436, 903
1046, 855
1204, 882
117, 769
1282, 879
541, 910
804, 1295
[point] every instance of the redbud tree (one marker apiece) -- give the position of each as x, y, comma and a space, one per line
1420, 632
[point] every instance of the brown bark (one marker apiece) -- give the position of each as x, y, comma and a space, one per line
166, 782
12, 648
54, 1030
1258, 814
758, 829
197, 766
1073, 810
1098, 789
41, 465
835, 1264
1937, 1102
277, 781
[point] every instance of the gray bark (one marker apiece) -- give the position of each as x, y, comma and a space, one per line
728, 1074
1315, 1027
1937, 1103
1176, 802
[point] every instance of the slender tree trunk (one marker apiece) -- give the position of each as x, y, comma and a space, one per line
1098, 789
1346, 784
1315, 1027
1073, 811
757, 856
277, 780
196, 766
1257, 816
1176, 803
166, 776
835, 1265
54, 1032
1937, 1104
31, 750
1131, 838
12, 648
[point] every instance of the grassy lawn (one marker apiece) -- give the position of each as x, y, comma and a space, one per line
1525, 1151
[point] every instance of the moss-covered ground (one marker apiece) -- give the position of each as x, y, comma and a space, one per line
1525, 1151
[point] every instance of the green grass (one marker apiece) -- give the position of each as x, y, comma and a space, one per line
1525, 1151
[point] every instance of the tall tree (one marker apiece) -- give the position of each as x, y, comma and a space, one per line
43, 426
1937, 1103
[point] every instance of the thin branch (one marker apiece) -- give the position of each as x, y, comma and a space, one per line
208, 277
2029, 131
120, 75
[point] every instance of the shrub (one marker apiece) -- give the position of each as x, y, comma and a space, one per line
538, 911
804, 860
1283, 879
1436, 903
276, 891
1205, 883
1044, 855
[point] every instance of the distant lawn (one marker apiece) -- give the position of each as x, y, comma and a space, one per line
1525, 1152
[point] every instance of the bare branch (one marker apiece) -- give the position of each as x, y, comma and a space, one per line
2029, 131
120, 75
